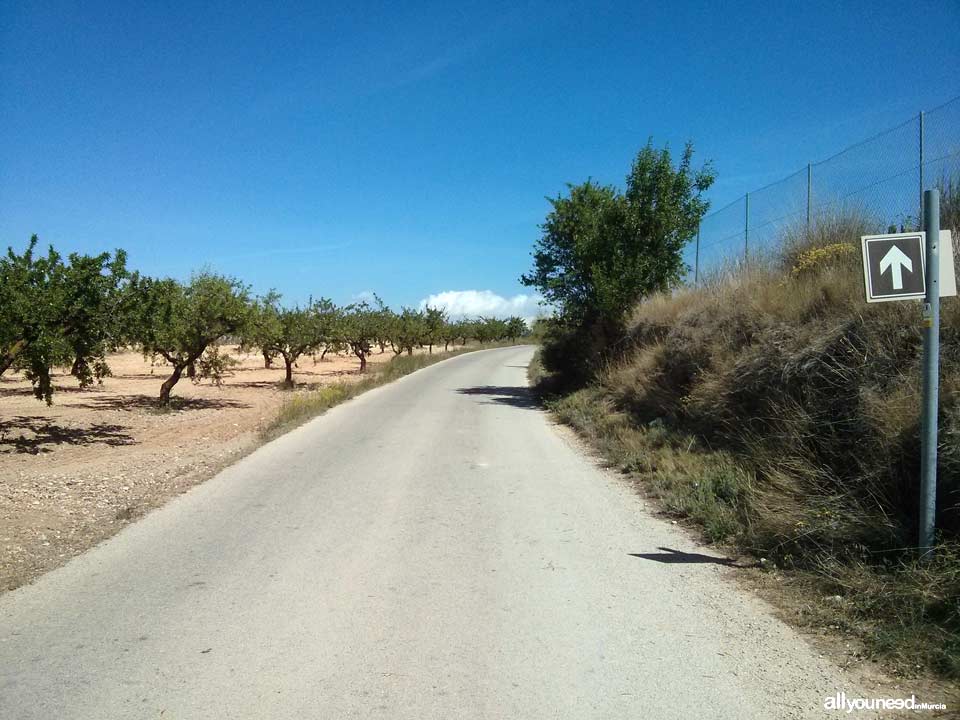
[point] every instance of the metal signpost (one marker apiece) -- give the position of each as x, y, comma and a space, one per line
931, 373
907, 266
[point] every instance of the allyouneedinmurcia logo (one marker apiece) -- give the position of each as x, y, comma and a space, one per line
840, 701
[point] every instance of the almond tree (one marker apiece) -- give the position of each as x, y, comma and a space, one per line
181, 322
59, 313
291, 332
451, 332
489, 330
385, 322
433, 322
516, 327
329, 327
407, 331
359, 328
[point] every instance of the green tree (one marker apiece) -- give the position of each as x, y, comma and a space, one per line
385, 323
433, 322
451, 332
329, 327
289, 332
407, 331
181, 322
55, 313
489, 330
601, 251
516, 327
359, 328
299, 333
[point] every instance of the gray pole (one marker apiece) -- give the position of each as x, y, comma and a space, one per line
746, 229
809, 190
920, 224
931, 373
696, 262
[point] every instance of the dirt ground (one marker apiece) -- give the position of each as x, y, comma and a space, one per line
76, 472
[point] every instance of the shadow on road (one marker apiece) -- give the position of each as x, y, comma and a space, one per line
520, 397
670, 556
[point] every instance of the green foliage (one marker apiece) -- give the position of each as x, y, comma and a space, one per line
291, 332
180, 322
515, 327
488, 329
56, 313
406, 331
360, 329
601, 250
451, 332
433, 322
385, 320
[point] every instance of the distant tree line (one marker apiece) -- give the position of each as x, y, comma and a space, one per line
72, 312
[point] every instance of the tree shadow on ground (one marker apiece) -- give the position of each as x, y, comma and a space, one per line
24, 434
255, 384
513, 396
27, 391
151, 402
671, 557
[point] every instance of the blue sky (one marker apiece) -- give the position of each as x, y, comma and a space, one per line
335, 149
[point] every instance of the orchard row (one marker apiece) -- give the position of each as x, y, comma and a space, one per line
72, 312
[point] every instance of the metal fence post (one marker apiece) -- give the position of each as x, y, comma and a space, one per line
920, 224
931, 373
809, 190
696, 261
746, 229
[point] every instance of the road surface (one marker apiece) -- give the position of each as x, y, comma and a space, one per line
435, 548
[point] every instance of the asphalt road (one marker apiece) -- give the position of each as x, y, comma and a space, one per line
432, 549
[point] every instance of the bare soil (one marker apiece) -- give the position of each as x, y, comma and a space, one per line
74, 473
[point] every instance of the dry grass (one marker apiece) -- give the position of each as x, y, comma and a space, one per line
780, 412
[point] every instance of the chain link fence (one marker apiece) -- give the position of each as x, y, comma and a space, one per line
881, 179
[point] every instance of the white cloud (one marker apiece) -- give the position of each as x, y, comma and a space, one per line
474, 303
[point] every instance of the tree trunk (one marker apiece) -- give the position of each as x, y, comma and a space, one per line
410, 350
430, 349
289, 380
168, 385
446, 346
267, 360
363, 363
7, 358
191, 370
323, 354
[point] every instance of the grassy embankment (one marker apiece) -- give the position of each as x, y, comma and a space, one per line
302, 406
779, 412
